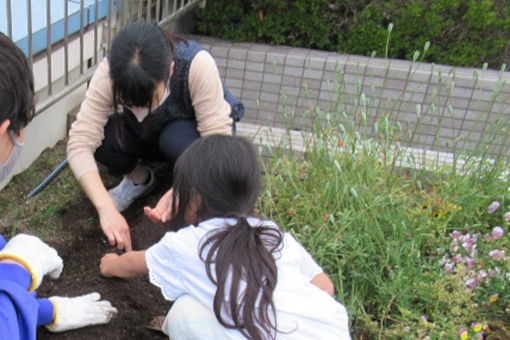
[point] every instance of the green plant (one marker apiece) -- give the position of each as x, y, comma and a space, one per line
380, 220
463, 33
381, 235
296, 23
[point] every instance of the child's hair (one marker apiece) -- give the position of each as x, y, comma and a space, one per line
16, 86
220, 176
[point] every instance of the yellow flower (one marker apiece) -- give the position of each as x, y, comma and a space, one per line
478, 327
464, 335
494, 298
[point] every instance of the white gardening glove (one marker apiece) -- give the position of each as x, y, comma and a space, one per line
39, 258
80, 311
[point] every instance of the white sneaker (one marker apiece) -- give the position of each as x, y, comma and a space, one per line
127, 192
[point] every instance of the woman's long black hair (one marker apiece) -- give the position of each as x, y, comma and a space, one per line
220, 176
140, 58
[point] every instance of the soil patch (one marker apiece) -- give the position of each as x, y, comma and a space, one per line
81, 244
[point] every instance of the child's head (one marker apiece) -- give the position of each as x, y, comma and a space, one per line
16, 86
217, 176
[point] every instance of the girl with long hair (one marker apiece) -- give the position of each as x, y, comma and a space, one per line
232, 275
149, 99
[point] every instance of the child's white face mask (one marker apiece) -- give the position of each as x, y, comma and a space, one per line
6, 169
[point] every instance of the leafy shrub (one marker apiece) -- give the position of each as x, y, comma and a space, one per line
462, 32
271, 21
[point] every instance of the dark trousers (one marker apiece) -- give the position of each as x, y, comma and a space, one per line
120, 152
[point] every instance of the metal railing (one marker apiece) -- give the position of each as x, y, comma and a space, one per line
98, 18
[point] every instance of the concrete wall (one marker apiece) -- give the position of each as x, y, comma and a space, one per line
459, 108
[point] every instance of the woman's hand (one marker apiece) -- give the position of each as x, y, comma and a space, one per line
115, 228
114, 225
163, 209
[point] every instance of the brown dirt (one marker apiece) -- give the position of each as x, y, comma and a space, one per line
81, 245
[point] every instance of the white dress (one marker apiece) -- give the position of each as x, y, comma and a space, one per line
303, 311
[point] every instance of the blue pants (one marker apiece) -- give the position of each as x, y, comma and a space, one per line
124, 145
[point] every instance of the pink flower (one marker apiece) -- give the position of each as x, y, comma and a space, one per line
469, 241
457, 258
482, 274
497, 232
470, 262
507, 216
456, 234
471, 283
493, 207
497, 254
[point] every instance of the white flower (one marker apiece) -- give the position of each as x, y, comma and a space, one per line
493, 207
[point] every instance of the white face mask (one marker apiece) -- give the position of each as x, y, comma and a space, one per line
6, 169
142, 112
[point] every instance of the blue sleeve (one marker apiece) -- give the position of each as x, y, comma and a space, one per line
45, 315
18, 307
2, 242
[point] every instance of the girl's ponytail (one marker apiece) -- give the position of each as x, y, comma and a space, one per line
239, 260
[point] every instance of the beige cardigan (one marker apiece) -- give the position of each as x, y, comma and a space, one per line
87, 131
